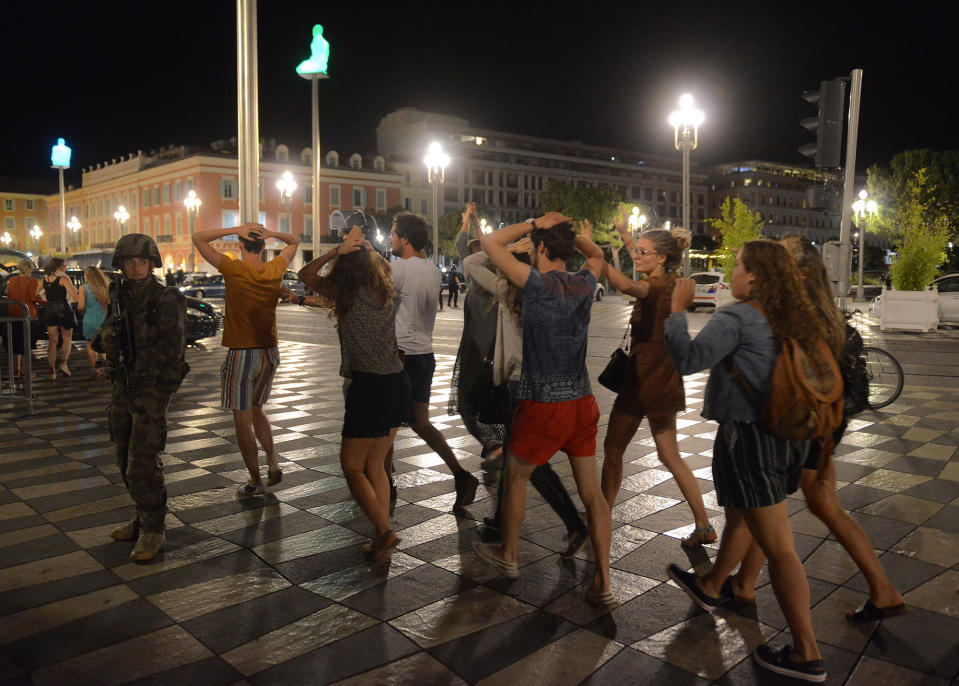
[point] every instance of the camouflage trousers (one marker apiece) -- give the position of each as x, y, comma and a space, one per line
138, 431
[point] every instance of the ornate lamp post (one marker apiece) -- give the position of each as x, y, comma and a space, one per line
74, 225
436, 162
192, 203
6, 239
685, 122
864, 209
36, 234
121, 216
484, 227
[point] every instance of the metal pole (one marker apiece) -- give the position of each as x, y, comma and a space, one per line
247, 111
860, 295
315, 99
686, 149
849, 173
63, 215
192, 216
436, 221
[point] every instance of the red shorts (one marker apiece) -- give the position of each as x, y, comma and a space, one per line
540, 430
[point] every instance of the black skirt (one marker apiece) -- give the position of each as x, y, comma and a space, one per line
60, 314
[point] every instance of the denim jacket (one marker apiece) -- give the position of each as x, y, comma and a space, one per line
739, 331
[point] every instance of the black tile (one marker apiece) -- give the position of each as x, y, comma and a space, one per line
849, 472
37, 549
421, 586
81, 497
210, 672
482, 653
200, 483
232, 626
629, 667
806, 545
645, 615
653, 557
899, 445
545, 580
916, 465
314, 566
946, 519
883, 533
118, 515
938, 490
854, 496
7, 496
885, 429
354, 654
100, 630
445, 546
205, 512
338, 495
12, 674
906, 641
18, 523
905, 573
41, 594
204, 570
277, 527
767, 609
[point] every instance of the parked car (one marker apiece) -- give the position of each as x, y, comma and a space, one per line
208, 286
948, 287
709, 285
292, 282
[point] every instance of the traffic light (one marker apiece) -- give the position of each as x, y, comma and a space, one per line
827, 125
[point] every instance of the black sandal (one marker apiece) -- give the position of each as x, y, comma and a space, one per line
870, 613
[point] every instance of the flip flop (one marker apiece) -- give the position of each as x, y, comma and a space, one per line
604, 599
871, 613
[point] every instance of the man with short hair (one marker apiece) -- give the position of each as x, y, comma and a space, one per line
418, 283
557, 410
249, 331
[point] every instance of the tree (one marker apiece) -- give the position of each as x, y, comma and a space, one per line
893, 187
598, 205
736, 225
924, 228
450, 224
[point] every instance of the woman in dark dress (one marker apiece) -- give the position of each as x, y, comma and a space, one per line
651, 387
58, 315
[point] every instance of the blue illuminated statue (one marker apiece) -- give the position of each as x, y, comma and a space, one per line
319, 54
60, 156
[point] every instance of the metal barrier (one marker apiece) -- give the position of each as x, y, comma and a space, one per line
7, 320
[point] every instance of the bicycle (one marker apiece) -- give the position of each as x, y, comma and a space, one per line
886, 377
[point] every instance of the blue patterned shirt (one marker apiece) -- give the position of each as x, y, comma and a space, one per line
556, 308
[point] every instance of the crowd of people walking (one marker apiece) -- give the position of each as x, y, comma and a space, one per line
520, 383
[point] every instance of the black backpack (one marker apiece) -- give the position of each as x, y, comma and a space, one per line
855, 378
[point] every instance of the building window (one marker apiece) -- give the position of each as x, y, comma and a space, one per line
177, 191
189, 185
166, 226
260, 192
156, 226
9, 204
379, 163
165, 191
282, 153
9, 223
229, 219
308, 194
28, 223
335, 196
228, 190
356, 162
407, 204
308, 226
155, 196
179, 225
146, 197
333, 159
29, 204
424, 206
359, 197
284, 223
380, 198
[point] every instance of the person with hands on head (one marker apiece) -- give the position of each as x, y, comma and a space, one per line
651, 388
358, 291
249, 333
557, 410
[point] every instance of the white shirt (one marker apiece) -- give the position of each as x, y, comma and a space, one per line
417, 282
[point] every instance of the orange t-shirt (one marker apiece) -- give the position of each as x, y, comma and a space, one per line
251, 297
24, 289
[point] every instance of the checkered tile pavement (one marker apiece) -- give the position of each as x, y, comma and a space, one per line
276, 590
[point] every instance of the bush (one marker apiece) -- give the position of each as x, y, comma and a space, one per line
922, 247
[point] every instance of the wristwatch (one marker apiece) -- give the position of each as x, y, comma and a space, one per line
532, 222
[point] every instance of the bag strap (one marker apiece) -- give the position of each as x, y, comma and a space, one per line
625, 342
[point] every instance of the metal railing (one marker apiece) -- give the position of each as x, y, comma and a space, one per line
7, 320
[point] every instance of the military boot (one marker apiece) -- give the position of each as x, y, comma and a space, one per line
126, 532
148, 546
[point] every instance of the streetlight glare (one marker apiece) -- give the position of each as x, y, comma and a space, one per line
192, 201
435, 157
286, 185
863, 194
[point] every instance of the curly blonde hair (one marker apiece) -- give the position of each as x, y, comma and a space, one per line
820, 293
351, 272
778, 288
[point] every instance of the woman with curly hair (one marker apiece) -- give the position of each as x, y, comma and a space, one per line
820, 491
651, 387
753, 470
358, 291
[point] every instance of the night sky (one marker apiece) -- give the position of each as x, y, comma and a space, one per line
114, 77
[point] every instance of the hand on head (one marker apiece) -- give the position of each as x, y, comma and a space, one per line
354, 241
252, 232
683, 294
551, 219
523, 245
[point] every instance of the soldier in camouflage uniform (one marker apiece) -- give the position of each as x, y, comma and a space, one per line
144, 338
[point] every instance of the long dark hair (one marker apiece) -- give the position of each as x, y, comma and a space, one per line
351, 272
53, 265
820, 292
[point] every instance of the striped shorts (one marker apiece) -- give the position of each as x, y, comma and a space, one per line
752, 468
246, 377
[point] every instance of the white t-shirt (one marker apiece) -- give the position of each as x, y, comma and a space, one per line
417, 282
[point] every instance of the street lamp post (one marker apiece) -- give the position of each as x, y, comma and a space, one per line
74, 225
685, 122
6, 239
192, 203
286, 185
37, 234
436, 161
314, 69
60, 160
864, 209
121, 216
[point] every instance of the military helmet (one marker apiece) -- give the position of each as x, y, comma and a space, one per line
136, 245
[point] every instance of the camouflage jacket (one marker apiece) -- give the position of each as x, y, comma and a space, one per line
150, 353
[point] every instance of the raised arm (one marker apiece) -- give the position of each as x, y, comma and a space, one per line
463, 237
595, 262
494, 244
292, 243
202, 240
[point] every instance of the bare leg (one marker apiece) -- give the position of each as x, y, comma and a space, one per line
732, 549
53, 336
92, 356
514, 504
824, 503
668, 451
619, 433
261, 427
744, 582
357, 460
597, 517
67, 346
770, 527
434, 439
243, 427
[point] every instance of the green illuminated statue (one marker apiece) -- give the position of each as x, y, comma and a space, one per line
320, 54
